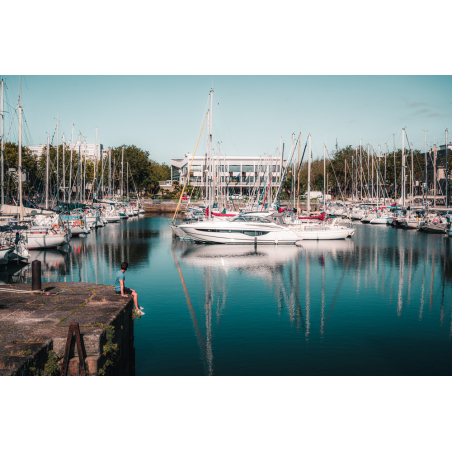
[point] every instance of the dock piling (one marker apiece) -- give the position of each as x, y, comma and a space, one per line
36, 275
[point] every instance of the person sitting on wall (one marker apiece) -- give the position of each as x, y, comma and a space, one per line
125, 291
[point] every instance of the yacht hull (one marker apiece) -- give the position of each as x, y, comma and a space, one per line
239, 234
38, 241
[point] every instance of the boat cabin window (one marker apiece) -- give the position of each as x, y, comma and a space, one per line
254, 219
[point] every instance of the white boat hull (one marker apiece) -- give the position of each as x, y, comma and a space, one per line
381, 220
37, 241
237, 234
5, 251
322, 233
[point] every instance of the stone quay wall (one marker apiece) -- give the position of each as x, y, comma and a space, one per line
34, 329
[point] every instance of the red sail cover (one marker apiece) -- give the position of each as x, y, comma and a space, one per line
217, 214
319, 217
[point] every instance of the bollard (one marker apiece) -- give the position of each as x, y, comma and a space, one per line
36, 275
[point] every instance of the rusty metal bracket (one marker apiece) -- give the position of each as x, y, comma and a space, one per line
73, 329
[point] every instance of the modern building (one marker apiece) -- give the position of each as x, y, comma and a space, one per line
240, 174
437, 159
89, 150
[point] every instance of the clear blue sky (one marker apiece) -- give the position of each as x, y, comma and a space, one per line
163, 114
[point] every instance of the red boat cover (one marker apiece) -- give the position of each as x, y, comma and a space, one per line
217, 214
320, 217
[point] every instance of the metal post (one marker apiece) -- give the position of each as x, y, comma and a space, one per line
36, 275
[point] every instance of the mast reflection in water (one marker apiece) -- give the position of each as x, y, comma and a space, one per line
376, 304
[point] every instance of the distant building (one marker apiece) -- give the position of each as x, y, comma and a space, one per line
89, 150
440, 153
239, 173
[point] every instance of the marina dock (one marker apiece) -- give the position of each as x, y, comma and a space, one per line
34, 330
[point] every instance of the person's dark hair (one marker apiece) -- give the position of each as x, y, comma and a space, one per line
124, 265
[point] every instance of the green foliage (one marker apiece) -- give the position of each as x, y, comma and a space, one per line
51, 367
109, 350
341, 165
144, 173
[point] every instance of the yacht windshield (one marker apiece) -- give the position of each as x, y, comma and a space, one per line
250, 218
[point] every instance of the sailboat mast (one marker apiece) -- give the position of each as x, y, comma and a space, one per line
2, 199
21, 215
373, 162
412, 174
447, 173
403, 167
426, 160
308, 206
95, 166
361, 158
298, 174
102, 176
127, 187
324, 176
109, 172
395, 170
122, 174
368, 170
79, 169
70, 165
57, 156
47, 171
210, 154
64, 173
84, 175
379, 185
384, 184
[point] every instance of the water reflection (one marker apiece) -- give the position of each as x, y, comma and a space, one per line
95, 257
309, 282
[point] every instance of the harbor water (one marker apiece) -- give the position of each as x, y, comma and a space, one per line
376, 304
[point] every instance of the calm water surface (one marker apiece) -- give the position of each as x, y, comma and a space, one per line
376, 304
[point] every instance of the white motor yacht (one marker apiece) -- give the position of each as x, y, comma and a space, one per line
246, 228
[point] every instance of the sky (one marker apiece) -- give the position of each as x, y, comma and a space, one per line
251, 114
